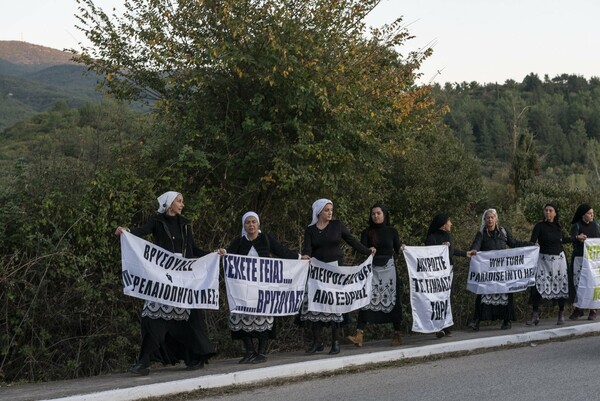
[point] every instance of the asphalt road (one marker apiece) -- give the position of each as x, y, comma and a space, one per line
552, 371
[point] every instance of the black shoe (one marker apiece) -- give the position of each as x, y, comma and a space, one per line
260, 358
315, 347
140, 369
506, 325
474, 324
440, 334
335, 348
248, 358
195, 365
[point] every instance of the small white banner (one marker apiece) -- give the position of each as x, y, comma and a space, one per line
338, 289
155, 274
588, 288
503, 271
430, 278
264, 286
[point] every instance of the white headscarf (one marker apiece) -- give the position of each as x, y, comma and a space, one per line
317, 207
244, 217
165, 201
483, 218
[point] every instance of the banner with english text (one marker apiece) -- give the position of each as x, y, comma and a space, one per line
338, 289
588, 287
152, 273
264, 286
430, 277
503, 271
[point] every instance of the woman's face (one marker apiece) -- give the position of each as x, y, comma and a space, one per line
377, 215
176, 207
589, 216
447, 227
327, 213
251, 226
549, 213
490, 220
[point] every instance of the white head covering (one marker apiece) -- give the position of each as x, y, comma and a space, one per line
165, 201
317, 207
483, 218
244, 217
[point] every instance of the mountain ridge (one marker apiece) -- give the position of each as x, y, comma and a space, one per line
29, 54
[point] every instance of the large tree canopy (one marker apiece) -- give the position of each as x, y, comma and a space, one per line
267, 100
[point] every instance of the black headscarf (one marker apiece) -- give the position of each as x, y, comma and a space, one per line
438, 221
581, 210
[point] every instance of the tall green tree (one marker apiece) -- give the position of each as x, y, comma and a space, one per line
266, 104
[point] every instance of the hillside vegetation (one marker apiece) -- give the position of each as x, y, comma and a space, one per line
33, 78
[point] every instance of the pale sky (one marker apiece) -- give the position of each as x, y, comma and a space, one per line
475, 40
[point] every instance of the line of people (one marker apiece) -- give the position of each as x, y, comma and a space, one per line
171, 334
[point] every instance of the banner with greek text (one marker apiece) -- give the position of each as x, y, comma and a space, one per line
588, 288
430, 278
155, 274
503, 271
338, 289
264, 286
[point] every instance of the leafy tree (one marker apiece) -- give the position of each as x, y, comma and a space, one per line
266, 105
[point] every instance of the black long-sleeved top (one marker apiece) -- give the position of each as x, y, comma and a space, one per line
384, 238
550, 237
590, 229
173, 233
264, 244
439, 237
325, 245
496, 240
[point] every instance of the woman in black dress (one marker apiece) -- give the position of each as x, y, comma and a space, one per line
170, 334
551, 279
583, 226
439, 234
491, 237
385, 306
247, 327
322, 241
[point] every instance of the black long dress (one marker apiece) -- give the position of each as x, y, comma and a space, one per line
386, 240
171, 334
326, 246
495, 306
550, 238
245, 325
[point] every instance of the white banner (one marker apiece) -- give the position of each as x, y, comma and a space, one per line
155, 274
338, 289
588, 288
264, 286
503, 271
430, 278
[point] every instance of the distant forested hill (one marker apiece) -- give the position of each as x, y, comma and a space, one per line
33, 78
554, 123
